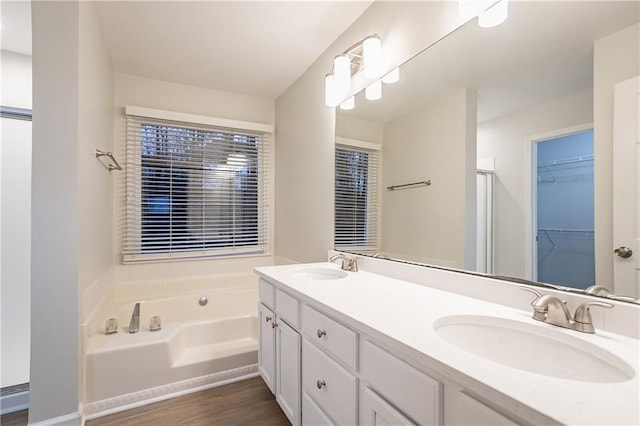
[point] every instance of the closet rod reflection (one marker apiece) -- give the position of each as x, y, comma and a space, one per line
422, 182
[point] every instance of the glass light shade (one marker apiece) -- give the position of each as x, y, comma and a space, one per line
392, 77
342, 73
331, 98
472, 8
495, 15
372, 57
373, 92
348, 104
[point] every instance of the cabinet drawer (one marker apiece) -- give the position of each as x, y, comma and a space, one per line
376, 411
288, 308
473, 412
266, 293
340, 341
312, 414
414, 393
332, 387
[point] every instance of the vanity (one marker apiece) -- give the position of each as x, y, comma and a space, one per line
345, 348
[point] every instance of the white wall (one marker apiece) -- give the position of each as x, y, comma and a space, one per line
358, 129
507, 139
54, 267
616, 58
150, 93
305, 127
15, 264
428, 224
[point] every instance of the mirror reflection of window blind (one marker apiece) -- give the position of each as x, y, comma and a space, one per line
357, 199
194, 190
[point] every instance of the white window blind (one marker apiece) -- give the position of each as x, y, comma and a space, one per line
194, 190
357, 199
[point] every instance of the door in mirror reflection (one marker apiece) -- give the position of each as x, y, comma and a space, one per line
565, 210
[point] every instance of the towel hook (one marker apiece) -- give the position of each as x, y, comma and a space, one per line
112, 166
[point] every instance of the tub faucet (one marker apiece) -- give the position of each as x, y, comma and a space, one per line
134, 324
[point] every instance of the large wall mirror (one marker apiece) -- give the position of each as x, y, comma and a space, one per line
493, 153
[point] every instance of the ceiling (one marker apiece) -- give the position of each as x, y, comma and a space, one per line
544, 50
255, 48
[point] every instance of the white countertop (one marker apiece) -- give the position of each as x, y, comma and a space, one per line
402, 314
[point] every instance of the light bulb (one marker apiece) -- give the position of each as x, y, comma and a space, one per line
392, 77
331, 98
348, 104
342, 73
372, 57
495, 15
373, 92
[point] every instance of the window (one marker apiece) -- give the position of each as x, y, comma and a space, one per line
194, 190
356, 199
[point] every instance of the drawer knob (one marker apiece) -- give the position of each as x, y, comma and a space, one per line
274, 324
320, 384
267, 319
321, 333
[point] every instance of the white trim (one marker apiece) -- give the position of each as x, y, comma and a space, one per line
67, 419
530, 193
358, 143
14, 402
128, 401
197, 119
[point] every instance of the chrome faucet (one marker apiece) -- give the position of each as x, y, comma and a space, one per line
552, 310
134, 324
348, 263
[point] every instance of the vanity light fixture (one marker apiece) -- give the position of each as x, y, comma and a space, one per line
392, 77
365, 56
373, 92
490, 13
348, 104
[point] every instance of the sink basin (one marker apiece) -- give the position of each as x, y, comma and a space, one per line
534, 348
318, 274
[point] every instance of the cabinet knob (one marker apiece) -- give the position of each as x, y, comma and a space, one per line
267, 319
320, 384
321, 333
274, 324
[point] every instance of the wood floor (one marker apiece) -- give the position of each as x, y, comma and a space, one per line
243, 403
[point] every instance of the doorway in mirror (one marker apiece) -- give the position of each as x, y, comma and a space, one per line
564, 210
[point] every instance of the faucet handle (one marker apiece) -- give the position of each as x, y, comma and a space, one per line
539, 312
582, 317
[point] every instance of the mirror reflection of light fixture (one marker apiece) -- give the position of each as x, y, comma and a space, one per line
392, 77
350, 103
365, 56
489, 12
495, 15
373, 92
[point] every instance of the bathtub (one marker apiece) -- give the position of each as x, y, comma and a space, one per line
197, 346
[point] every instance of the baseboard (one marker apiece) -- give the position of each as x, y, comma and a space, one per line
72, 419
14, 402
108, 406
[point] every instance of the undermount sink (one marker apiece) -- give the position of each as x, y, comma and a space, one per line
318, 274
534, 348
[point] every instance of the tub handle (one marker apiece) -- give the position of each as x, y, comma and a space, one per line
321, 333
320, 384
274, 324
267, 319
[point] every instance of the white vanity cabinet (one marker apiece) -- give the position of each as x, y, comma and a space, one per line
279, 352
327, 370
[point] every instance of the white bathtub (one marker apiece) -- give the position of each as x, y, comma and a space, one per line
197, 346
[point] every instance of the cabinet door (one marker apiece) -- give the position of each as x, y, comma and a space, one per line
288, 371
312, 415
267, 346
376, 411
